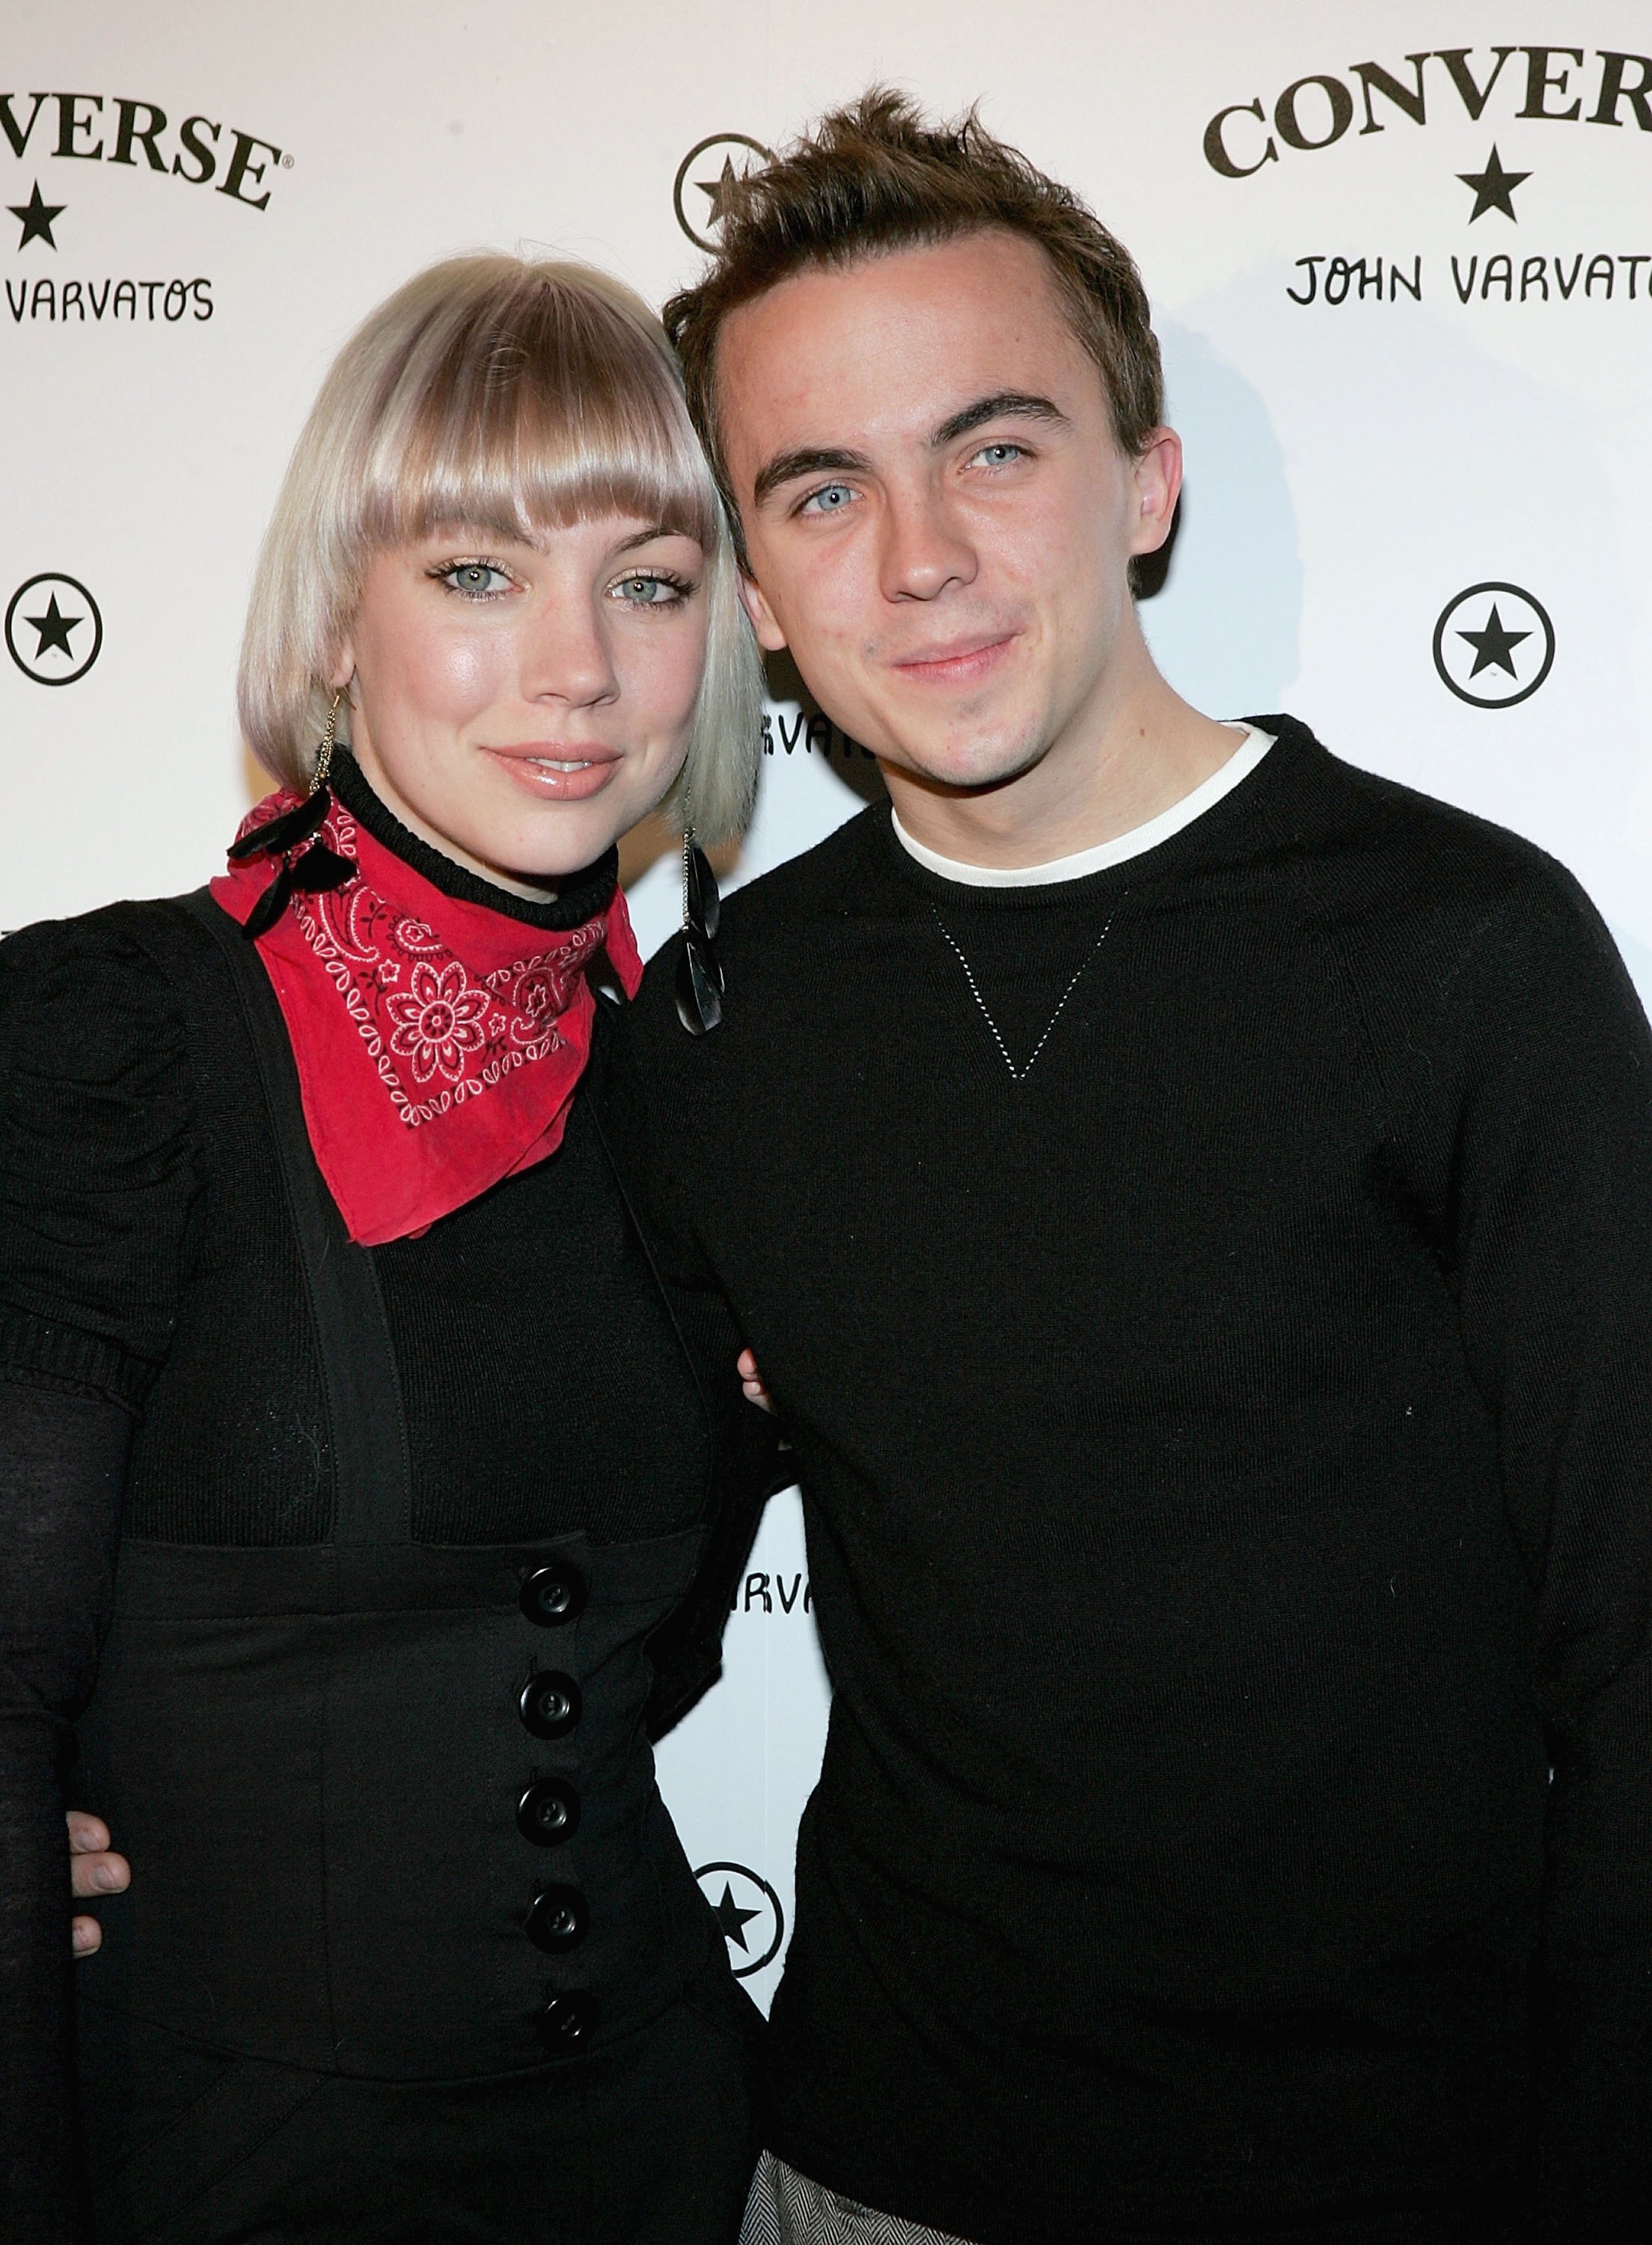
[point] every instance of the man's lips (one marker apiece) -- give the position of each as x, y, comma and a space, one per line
957, 663
559, 771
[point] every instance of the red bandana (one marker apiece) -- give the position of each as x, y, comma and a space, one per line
438, 1043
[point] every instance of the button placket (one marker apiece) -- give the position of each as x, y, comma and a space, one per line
549, 1705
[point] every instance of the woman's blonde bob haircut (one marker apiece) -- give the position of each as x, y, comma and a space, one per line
509, 394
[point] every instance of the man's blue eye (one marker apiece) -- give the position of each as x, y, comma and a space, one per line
830, 500
998, 454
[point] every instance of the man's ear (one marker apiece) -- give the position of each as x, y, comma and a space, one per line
1156, 485
763, 620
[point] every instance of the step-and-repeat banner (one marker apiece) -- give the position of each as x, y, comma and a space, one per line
1401, 264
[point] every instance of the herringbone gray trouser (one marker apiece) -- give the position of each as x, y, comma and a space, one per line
786, 2208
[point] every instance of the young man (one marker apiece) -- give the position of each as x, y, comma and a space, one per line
1191, 1202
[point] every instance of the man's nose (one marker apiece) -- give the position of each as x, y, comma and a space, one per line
565, 656
925, 548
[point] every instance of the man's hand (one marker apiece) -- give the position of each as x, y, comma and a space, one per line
94, 1870
752, 1380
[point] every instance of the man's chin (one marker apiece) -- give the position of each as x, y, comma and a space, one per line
977, 768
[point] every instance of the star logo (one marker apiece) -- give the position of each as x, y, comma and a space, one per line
716, 191
738, 1899
1493, 645
1496, 644
712, 169
54, 632
1494, 187
734, 1919
37, 217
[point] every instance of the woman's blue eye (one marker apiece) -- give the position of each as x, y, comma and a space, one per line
649, 591
477, 580
831, 499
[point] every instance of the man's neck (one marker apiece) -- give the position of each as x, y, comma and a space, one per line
1126, 762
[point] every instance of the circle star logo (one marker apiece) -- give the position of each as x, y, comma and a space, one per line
704, 177
1493, 645
54, 632
747, 1911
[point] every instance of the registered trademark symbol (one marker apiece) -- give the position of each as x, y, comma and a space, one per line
286, 161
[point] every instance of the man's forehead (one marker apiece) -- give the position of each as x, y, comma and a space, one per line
897, 341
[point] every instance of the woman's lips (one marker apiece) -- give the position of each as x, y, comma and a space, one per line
555, 772
958, 665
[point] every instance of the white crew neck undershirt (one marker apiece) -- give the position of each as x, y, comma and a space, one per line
1253, 746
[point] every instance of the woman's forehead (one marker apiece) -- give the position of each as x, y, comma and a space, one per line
620, 528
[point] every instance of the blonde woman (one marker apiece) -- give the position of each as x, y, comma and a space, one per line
338, 1399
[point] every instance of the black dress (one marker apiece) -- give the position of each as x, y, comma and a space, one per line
417, 1547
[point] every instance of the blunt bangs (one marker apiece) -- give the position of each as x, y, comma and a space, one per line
528, 410
515, 396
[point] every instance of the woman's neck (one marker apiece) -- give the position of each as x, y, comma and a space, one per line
576, 897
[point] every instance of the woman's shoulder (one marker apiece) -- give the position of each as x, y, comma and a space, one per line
116, 971
97, 1143
95, 1021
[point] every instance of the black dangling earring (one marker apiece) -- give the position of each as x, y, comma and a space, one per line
319, 867
699, 976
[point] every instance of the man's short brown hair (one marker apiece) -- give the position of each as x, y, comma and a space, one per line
873, 178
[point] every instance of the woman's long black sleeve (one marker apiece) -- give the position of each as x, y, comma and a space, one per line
61, 1464
97, 1173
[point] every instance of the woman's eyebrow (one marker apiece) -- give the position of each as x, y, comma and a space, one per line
647, 537
1003, 405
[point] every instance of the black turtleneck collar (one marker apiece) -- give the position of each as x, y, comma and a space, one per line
578, 899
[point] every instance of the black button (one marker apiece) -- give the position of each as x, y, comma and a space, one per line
559, 1919
548, 1813
550, 1704
567, 2020
553, 1594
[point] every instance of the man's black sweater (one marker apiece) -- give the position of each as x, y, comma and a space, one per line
1227, 1464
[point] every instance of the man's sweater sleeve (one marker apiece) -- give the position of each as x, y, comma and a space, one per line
1551, 1224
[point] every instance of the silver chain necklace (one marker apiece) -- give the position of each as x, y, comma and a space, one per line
1018, 1074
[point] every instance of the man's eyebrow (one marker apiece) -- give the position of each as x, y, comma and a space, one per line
786, 467
1004, 405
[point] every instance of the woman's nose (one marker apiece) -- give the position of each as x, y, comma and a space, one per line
564, 655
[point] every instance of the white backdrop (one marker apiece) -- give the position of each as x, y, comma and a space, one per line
1405, 290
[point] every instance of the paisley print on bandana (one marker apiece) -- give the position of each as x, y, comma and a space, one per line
438, 1043
436, 1035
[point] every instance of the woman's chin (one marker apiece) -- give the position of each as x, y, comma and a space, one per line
539, 851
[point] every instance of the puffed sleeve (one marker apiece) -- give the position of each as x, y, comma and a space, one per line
97, 1169
95, 1183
